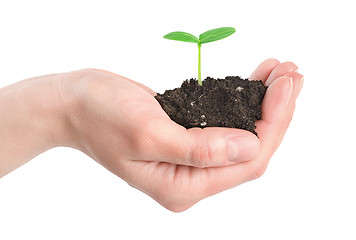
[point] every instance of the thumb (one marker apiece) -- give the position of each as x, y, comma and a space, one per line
165, 141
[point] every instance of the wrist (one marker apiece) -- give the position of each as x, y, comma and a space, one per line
34, 118
70, 105
38, 109
62, 111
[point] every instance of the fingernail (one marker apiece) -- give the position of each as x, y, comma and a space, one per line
286, 90
289, 91
300, 85
240, 149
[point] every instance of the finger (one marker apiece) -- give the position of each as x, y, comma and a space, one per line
281, 70
263, 71
272, 100
276, 99
298, 80
162, 140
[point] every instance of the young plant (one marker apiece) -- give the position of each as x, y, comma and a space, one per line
206, 37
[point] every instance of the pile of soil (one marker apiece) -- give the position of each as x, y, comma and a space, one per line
231, 102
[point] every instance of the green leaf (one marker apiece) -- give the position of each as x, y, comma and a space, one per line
182, 36
216, 34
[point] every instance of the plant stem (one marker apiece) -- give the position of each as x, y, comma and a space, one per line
199, 66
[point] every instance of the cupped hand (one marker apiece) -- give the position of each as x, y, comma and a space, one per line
119, 123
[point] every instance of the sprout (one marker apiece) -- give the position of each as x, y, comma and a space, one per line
206, 37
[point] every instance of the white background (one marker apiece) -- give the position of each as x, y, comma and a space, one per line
308, 191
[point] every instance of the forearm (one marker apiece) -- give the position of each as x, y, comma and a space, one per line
33, 119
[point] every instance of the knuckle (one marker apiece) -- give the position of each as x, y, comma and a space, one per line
258, 170
177, 207
144, 138
178, 195
176, 201
289, 116
141, 145
203, 155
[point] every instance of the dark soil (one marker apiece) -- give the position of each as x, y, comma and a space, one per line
231, 102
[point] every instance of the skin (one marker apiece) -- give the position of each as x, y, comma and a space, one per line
118, 123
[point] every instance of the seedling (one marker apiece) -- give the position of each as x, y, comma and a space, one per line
206, 37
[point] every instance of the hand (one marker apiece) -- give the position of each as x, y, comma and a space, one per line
117, 122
